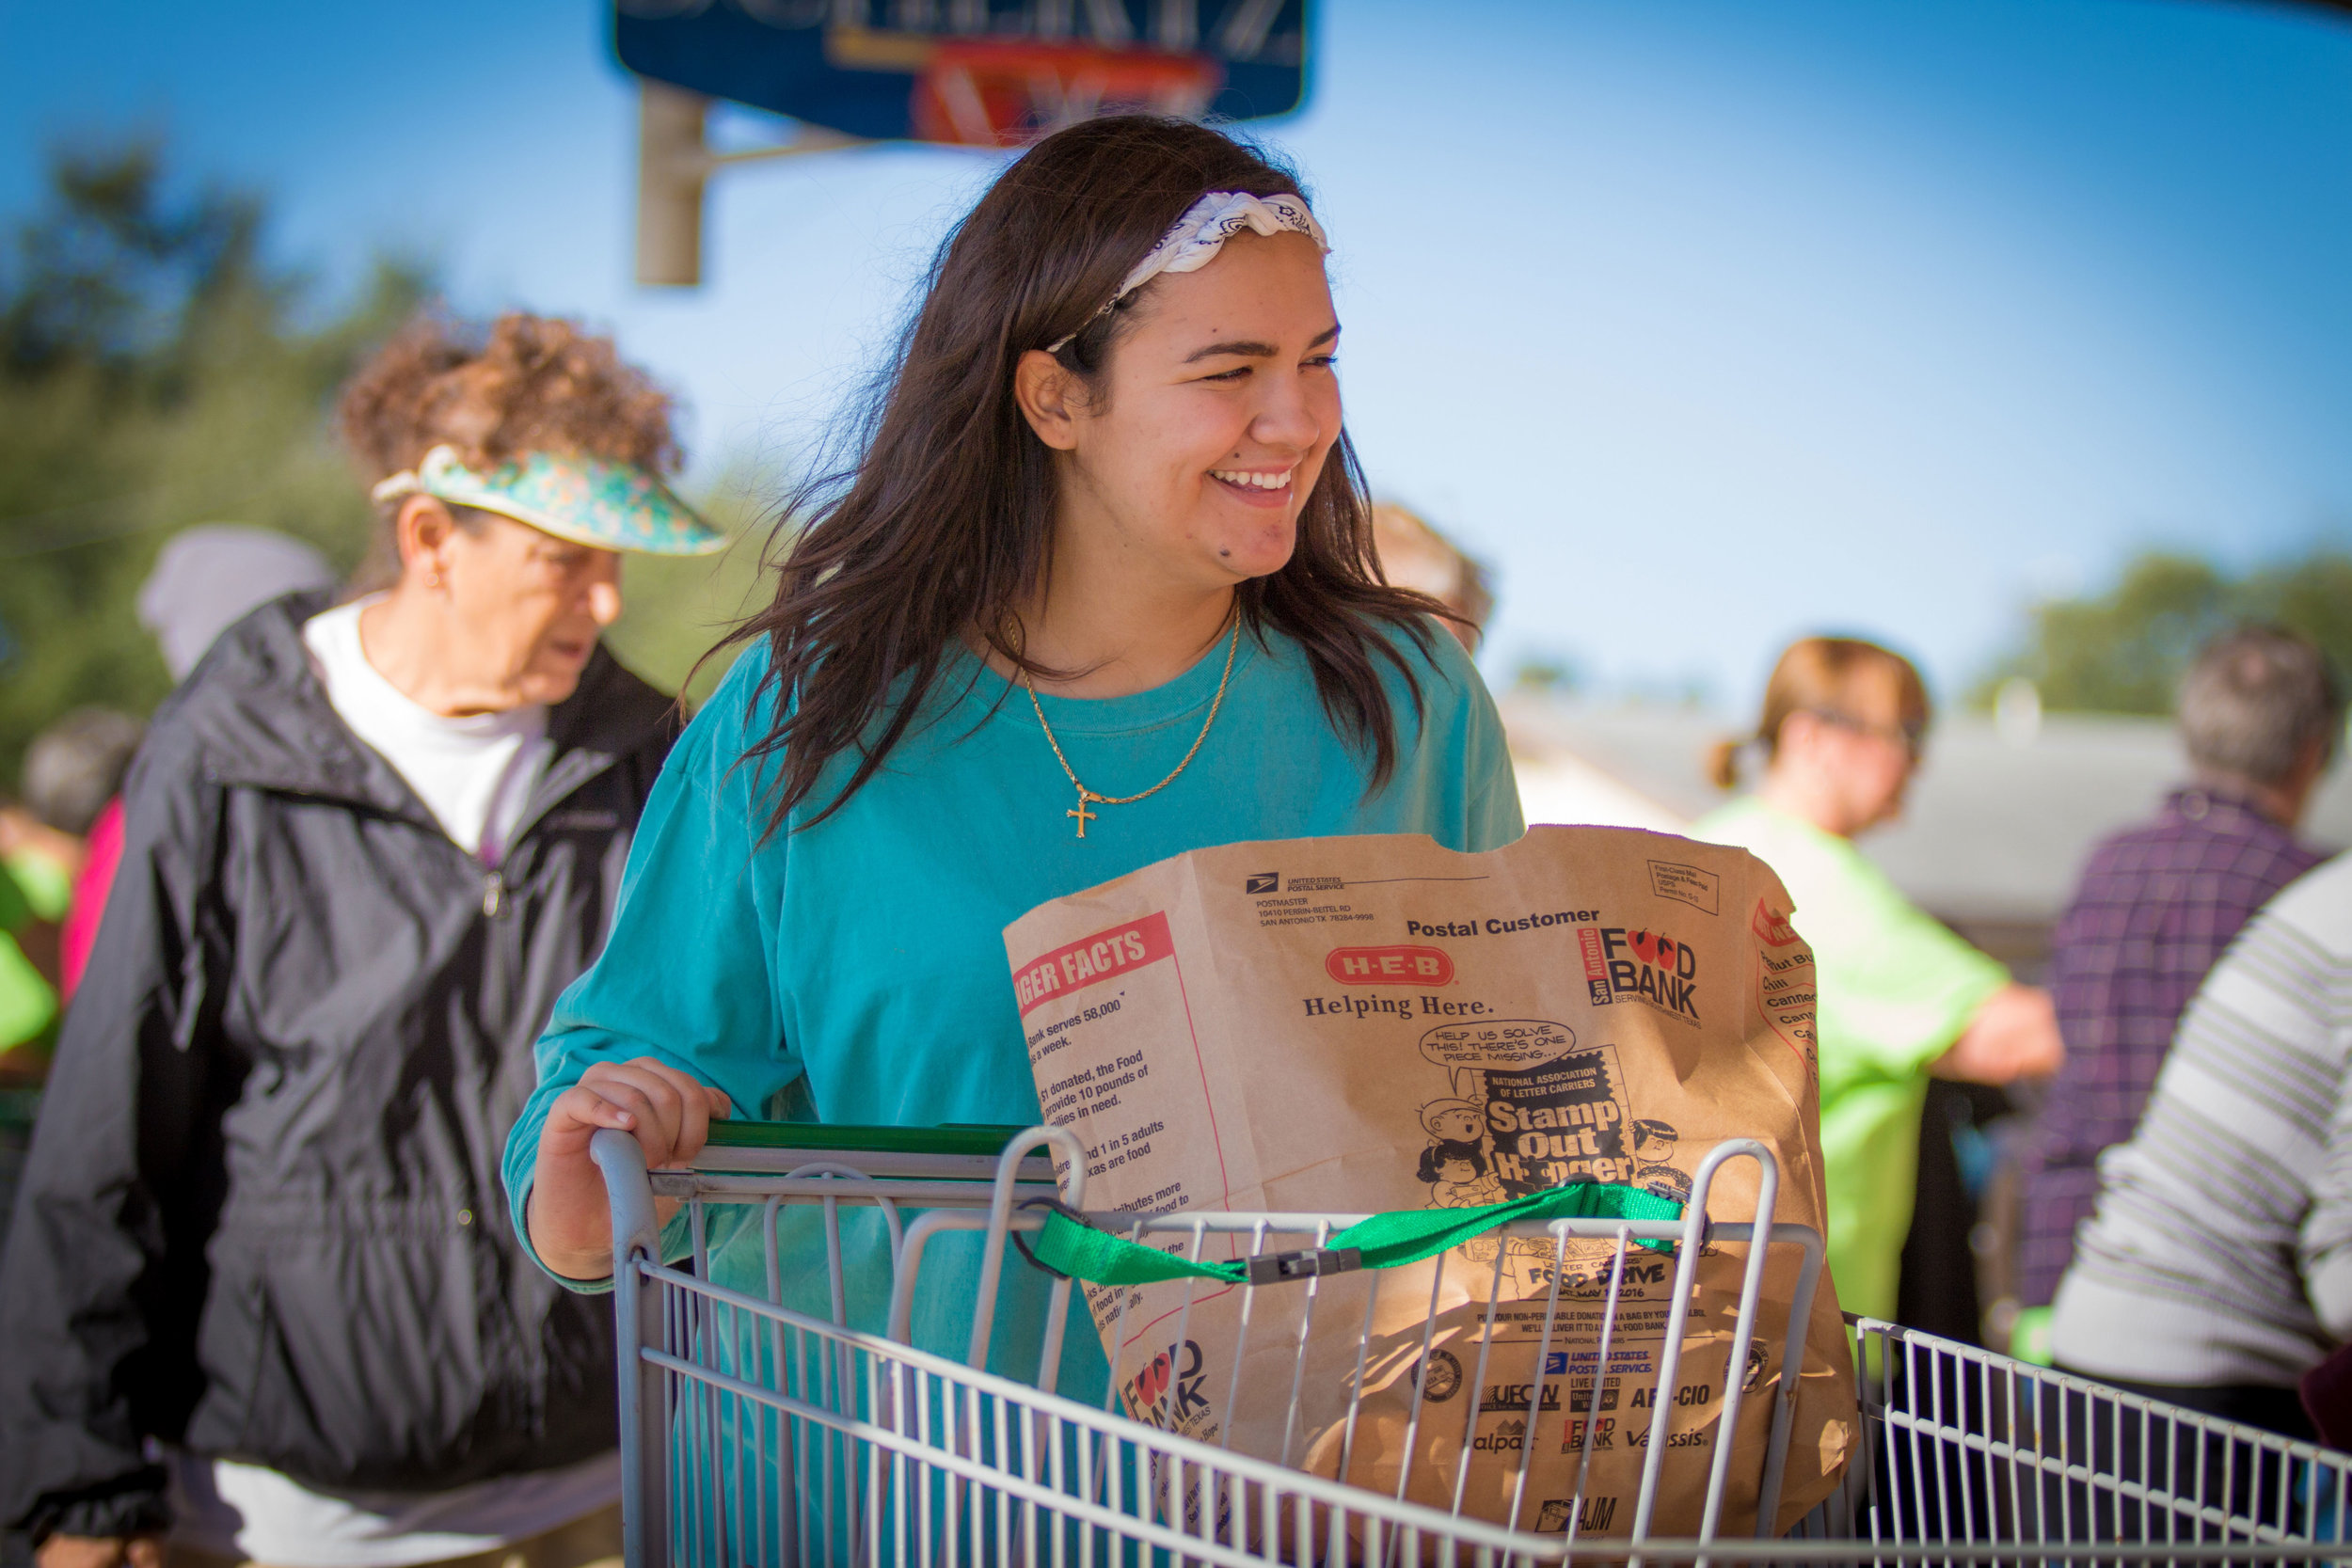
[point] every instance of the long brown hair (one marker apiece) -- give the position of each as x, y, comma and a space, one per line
1817, 674
940, 522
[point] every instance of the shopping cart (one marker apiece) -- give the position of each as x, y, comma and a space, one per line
755, 1434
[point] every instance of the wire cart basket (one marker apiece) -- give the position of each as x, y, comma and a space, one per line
755, 1433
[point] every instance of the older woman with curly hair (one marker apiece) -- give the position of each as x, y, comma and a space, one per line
367, 846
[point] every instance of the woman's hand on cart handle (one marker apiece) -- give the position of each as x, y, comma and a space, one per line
664, 1110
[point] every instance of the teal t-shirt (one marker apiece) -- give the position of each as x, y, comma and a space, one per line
856, 973
1896, 986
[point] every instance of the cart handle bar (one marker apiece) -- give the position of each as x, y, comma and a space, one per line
1072, 1248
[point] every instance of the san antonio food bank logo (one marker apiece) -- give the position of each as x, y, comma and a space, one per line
1623, 965
1168, 1391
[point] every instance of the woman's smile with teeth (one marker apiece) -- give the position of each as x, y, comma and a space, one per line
1254, 480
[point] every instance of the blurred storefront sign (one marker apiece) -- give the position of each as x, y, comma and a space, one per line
962, 72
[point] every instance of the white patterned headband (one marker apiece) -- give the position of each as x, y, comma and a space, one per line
1201, 233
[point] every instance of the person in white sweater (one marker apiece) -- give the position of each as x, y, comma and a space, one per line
2217, 1266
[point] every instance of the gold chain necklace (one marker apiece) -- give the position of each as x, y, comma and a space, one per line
1085, 794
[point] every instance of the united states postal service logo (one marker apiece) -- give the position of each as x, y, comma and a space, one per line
1262, 881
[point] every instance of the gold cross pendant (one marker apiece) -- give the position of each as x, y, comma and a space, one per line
1083, 814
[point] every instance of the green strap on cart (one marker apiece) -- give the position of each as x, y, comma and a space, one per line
1069, 1246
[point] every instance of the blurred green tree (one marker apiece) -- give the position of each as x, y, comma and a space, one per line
1556, 673
2123, 651
155, 372
676, 608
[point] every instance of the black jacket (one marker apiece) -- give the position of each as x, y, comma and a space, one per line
261, 1216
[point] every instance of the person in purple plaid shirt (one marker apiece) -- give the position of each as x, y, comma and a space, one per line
2259, 712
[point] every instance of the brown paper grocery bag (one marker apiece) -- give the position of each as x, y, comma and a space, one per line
1364, 1024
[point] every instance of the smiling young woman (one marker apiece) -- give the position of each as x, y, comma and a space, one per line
1096, 589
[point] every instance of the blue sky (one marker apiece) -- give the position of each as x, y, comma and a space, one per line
1707, 322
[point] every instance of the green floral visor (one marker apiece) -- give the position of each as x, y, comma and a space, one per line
612, 506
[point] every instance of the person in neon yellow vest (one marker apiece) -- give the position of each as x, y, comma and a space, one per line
1902, 997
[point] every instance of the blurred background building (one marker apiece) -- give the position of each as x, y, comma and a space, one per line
1997, 824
